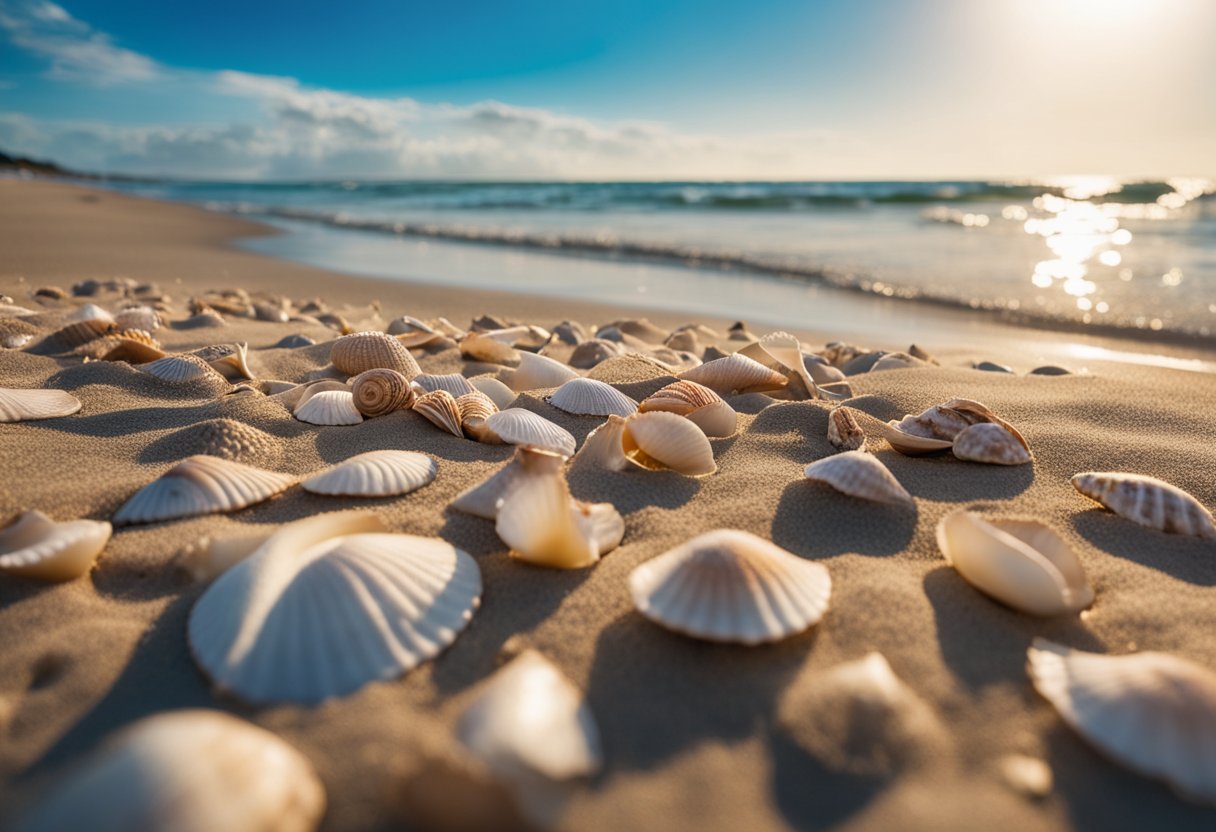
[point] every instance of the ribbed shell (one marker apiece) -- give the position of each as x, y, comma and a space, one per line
861, 475
201, 485
374, 474
735, 374
536, 372
543, 525
732, 586
440, 409
129, 350
482, 499
186, 370
329, 407
361, 351
308, 617
664, 440
588, 397
1151, 712
35, 546
1147, 501
516, 426
697, 403
454, 383
990, 443
138, 317
474, 409
381, 391
20, 405
73, 335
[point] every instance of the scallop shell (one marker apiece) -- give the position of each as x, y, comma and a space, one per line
499, 393
731, 586
73, 335
130, 350
604, 447
1021, 563
697, 403
361, 351
736, 374
440, 409
990, 443
516, 426
1151, 712
138, 317
543, 525
861, 475
536, 372
21, 405
201, 485
588, 397
664, 440
321, 609
482, 500
1147, 501
227, 439
474, 409
329, 407
189, 771
186, 370
35, 546
454, 383
844, 433
381, 391
374, 474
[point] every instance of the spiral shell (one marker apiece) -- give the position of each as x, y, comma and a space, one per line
381, 391
361, 351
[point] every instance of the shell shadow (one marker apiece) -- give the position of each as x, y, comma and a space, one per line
632, 489
813, 796
1185, 558
814, 519
404, 432
994, 482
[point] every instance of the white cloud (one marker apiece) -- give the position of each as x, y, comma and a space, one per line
76, 52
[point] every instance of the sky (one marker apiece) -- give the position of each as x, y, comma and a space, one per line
632, 89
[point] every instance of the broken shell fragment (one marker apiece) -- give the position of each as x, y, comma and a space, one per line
989, 442
21, 405
1147, 501
844, 433
588, 397
329, 408
536, 372
374, 474
201, 485
381, 391
861, 475
483, 499
35, 546
604, 447
499, 393
543, 525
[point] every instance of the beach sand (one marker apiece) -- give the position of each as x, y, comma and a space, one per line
695, 735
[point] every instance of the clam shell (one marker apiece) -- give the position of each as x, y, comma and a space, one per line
664, 440
201, 485
205, 319
604, 447
589, 354
294, 397
844, 433
543, 525
909, 444
697, 403
440, 409
1147, 501
536, 372
588, 397
861, 475
1151, 712
731, 586
381, 391
735, 374
361, 351
186, 369
374, 474
975, 413
189, 771
989, 442
130, 350
454, 383
329, 407
35, 546
20, 405
898, 361
320, 610
1023, 564
482, 500
499, 393
516, 426
474, 409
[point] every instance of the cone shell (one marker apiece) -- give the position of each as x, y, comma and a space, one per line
374, 474
329, 407
454, 383
697, 403
361, 351
536, 372
588, 397
381, 391
321, 609
35, 546
201, 485
482, 500
731, 586
1021, 563
189, 771
499, 393
665, 440
844, 432
860, 475
735, 374
1147, 501
20, 405
543, 525
440, 409
1151, 712
516, 426
604, 447
990, 443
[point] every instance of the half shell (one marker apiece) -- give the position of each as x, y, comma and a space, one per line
35, 546
664, 440
604, 447
440, 409
482, 500
543, 525
20, 405
989, 442
186, 369
381, 391
516, 426
588, 397
454, 383
361, 351
1148, 501
697, 403
536, 372
861, 475
474, 409
329, 407
201, 485
374, 474
736, 374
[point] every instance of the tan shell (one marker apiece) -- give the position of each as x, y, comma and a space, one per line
454, 383
484, 346
73, 335
138, 317
499, 393
898, 361
329, 408
379, 473
35, 546
604, 447
210, 556
659, 440
1147, 501
588, 397
474, 409
736, 374
21, 405
543, 525
201, 485
989, 442
131, 351
482, 500
381, 391
536, 372
361, 351
861, 475
235, 364
697, 403
844, 433
516, 426
440, 409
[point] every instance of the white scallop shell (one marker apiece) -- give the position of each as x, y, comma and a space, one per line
374, 474
516, 426
989, 442
1151, 712
187, 771
483, 499
454, 383
735, 374
859, 474
604, 447
543, 525
536, 372
729, 585
35, 546
311, 615
660, 440
499, 393
20, 405
588, 397
201, 485
1148, 501
329, 407
1021, 563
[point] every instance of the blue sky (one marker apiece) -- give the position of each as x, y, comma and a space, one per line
631, 89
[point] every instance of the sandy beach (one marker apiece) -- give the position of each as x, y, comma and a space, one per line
695, 734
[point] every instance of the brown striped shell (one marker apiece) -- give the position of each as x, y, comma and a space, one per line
380, 391
440, 409
475, 408
361, 351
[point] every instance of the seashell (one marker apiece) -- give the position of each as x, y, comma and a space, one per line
735, 374
499, 393
642, 329
381, 391
682, 341
209, 557
938, 422
226, 439
73, 335
186, 370
516, 426
130, 350
52, 292
588, 397
206, 319
697, 403
1021, 563
787, 351
291, 342
294, 396
570, 332
898, 361
483, 346
92, 312
323, 607
604, 447
21, 405
267, 312
843, 431
482, 500
738, 332
861, 475
406, 325
454, 383
1050, 370
329, 408
234, 365
991, 443
862, 363
189, 770
992, 367
921, 355
340, 324
440, 409
1028, 776
1151, 712
543, 525
659, 440
591, 353
731, 586
1147, 501
138, 317
361, 351
976, 413
35, 546
374, 474
537, 372
201, 485
909, 444
474, 409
